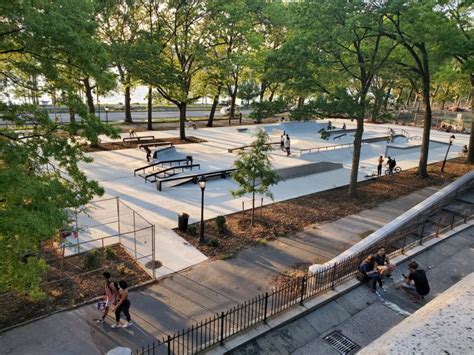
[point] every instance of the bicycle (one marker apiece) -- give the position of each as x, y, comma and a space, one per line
396, 170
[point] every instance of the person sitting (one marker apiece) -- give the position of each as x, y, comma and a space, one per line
465, 150
367, 268
416, 283
344, 126
383, 264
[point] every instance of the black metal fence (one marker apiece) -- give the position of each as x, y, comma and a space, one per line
221, 326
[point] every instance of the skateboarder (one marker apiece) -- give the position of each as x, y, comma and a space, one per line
287, 145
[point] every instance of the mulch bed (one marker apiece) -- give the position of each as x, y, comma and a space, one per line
287, 217
128, 145
73, 288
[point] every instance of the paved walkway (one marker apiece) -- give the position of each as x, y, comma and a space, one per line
363, 316
194, 294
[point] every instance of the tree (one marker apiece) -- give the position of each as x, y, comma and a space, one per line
254, 172
120, 23
248, 91
416, 25
346, 38
34, 200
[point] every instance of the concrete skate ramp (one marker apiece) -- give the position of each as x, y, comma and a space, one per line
307, 169
168, 153
400, 149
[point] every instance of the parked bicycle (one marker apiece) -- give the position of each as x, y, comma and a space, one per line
396, 170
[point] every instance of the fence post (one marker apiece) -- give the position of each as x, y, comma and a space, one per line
422, 232
153, 250
303, 289
437, 229
222, 327
265, 310
168, 341
452, 221
404, 243
333, 277
118, 219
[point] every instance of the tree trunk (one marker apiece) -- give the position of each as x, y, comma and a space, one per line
400, 93
263, 88
407, 102
233, 97
210, 120
422, 166
253, 204
300, 102
150, 109
356, 155
470, 154
89, 96
387, 97
182, 120
128, 110
72, 115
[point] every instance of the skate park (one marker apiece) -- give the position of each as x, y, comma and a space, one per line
166, 187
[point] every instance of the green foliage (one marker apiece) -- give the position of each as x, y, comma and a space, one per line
192, 229
220, 224
266, 109
213, 243
324, 134
254, 172
93, 259
248, 90
124, 269
109, 253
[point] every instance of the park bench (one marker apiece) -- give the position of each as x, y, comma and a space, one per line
194, 177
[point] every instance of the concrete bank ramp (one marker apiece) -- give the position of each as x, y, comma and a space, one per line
307, 169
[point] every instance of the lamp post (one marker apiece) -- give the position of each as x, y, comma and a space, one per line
202, 185
106, 114
451, 140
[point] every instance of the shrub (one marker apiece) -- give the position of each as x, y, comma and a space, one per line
324, 134
93, 259
213, 243
109, 253
192, 229
124, 269
220, 224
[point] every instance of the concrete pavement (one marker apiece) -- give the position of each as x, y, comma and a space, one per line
363, 316
194, 294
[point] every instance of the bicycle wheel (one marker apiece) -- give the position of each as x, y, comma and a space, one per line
397, 169
387, 172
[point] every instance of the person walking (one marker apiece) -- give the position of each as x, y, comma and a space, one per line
282, 141
287, 145
379, 166
122, 306
416, 283
148, 153
110, 296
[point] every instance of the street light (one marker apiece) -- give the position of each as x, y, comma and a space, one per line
451, 140
202, 185
106, 114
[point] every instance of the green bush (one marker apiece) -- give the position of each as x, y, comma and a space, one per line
213, 243
324, 134
109, 253
221, 224
265, 109
192, 229
93, 259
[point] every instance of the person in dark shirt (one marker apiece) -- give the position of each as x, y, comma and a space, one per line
367, 267
383, 264
416, 283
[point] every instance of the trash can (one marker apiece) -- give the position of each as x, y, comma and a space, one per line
183, 222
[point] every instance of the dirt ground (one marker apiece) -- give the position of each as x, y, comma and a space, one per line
72, 288
287, 217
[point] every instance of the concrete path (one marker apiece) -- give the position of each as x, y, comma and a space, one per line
201, 291
363, 316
